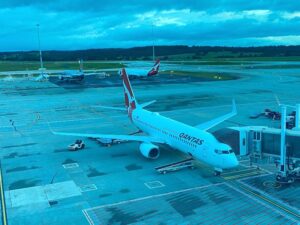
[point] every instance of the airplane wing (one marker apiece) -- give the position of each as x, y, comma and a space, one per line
209, 124
119, 137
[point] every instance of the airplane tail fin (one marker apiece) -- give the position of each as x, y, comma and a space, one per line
130, 101
154, 69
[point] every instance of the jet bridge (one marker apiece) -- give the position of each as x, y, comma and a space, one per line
259, 141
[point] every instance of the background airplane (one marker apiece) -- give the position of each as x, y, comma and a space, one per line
194, 141
143, 72
73, 75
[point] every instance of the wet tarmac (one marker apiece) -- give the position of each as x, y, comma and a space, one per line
44, 183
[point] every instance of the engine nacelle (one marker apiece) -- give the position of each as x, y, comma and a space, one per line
149, 151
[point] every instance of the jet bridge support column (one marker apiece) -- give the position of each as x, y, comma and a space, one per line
283, 175
297, 117
282, 140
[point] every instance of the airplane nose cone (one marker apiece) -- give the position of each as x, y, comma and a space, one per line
235, 162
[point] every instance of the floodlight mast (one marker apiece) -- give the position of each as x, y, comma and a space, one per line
153, 48
40, 50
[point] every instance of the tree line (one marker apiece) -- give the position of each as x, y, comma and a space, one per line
163, 52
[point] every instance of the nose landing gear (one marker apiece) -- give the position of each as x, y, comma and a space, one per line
218, 172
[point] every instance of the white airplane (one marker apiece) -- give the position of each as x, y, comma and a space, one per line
143, 72
194, 141
42, 77
73, 75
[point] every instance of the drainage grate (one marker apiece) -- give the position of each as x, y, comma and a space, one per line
154, 184
70, 165
88, 187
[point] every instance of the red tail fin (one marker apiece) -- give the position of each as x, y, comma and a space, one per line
154, 69
130, 101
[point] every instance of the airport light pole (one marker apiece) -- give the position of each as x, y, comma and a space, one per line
153, 48
39, 43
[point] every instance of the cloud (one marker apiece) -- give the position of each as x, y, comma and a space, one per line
74, 24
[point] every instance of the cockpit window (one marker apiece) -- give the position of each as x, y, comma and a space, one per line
223, 151
218, 151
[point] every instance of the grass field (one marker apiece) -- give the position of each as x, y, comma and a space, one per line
207, 75
288, 66
212, 63
88, 65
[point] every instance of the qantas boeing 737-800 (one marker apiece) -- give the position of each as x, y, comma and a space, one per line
192, 140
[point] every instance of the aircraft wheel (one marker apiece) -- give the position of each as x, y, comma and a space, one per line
217, 173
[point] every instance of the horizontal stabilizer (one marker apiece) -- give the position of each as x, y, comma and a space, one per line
147, 103
209, 124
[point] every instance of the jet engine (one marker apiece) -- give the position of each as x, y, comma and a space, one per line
149, 150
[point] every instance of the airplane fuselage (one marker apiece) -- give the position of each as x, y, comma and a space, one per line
139, 73
187, 139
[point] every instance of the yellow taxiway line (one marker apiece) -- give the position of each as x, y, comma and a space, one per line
260, 196
3, 207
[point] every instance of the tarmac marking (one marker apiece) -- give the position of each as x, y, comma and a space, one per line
238, 171
154, 184
3, 207
258, 199
267, 195
88, 187
242, 175
87, 216
70, 165
153, 196
265, 170
247, 178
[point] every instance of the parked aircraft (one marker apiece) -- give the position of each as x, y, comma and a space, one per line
42, 77
143, 72
73, 75
192, 140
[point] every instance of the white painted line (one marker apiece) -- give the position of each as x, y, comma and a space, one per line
70, 165
260, 175
154, 184
87, 187
153, 196
251, 169
89, 219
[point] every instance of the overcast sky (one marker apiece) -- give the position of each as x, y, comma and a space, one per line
81, 24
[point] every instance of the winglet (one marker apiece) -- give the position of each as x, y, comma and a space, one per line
234, 111
50, 128
209, 124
